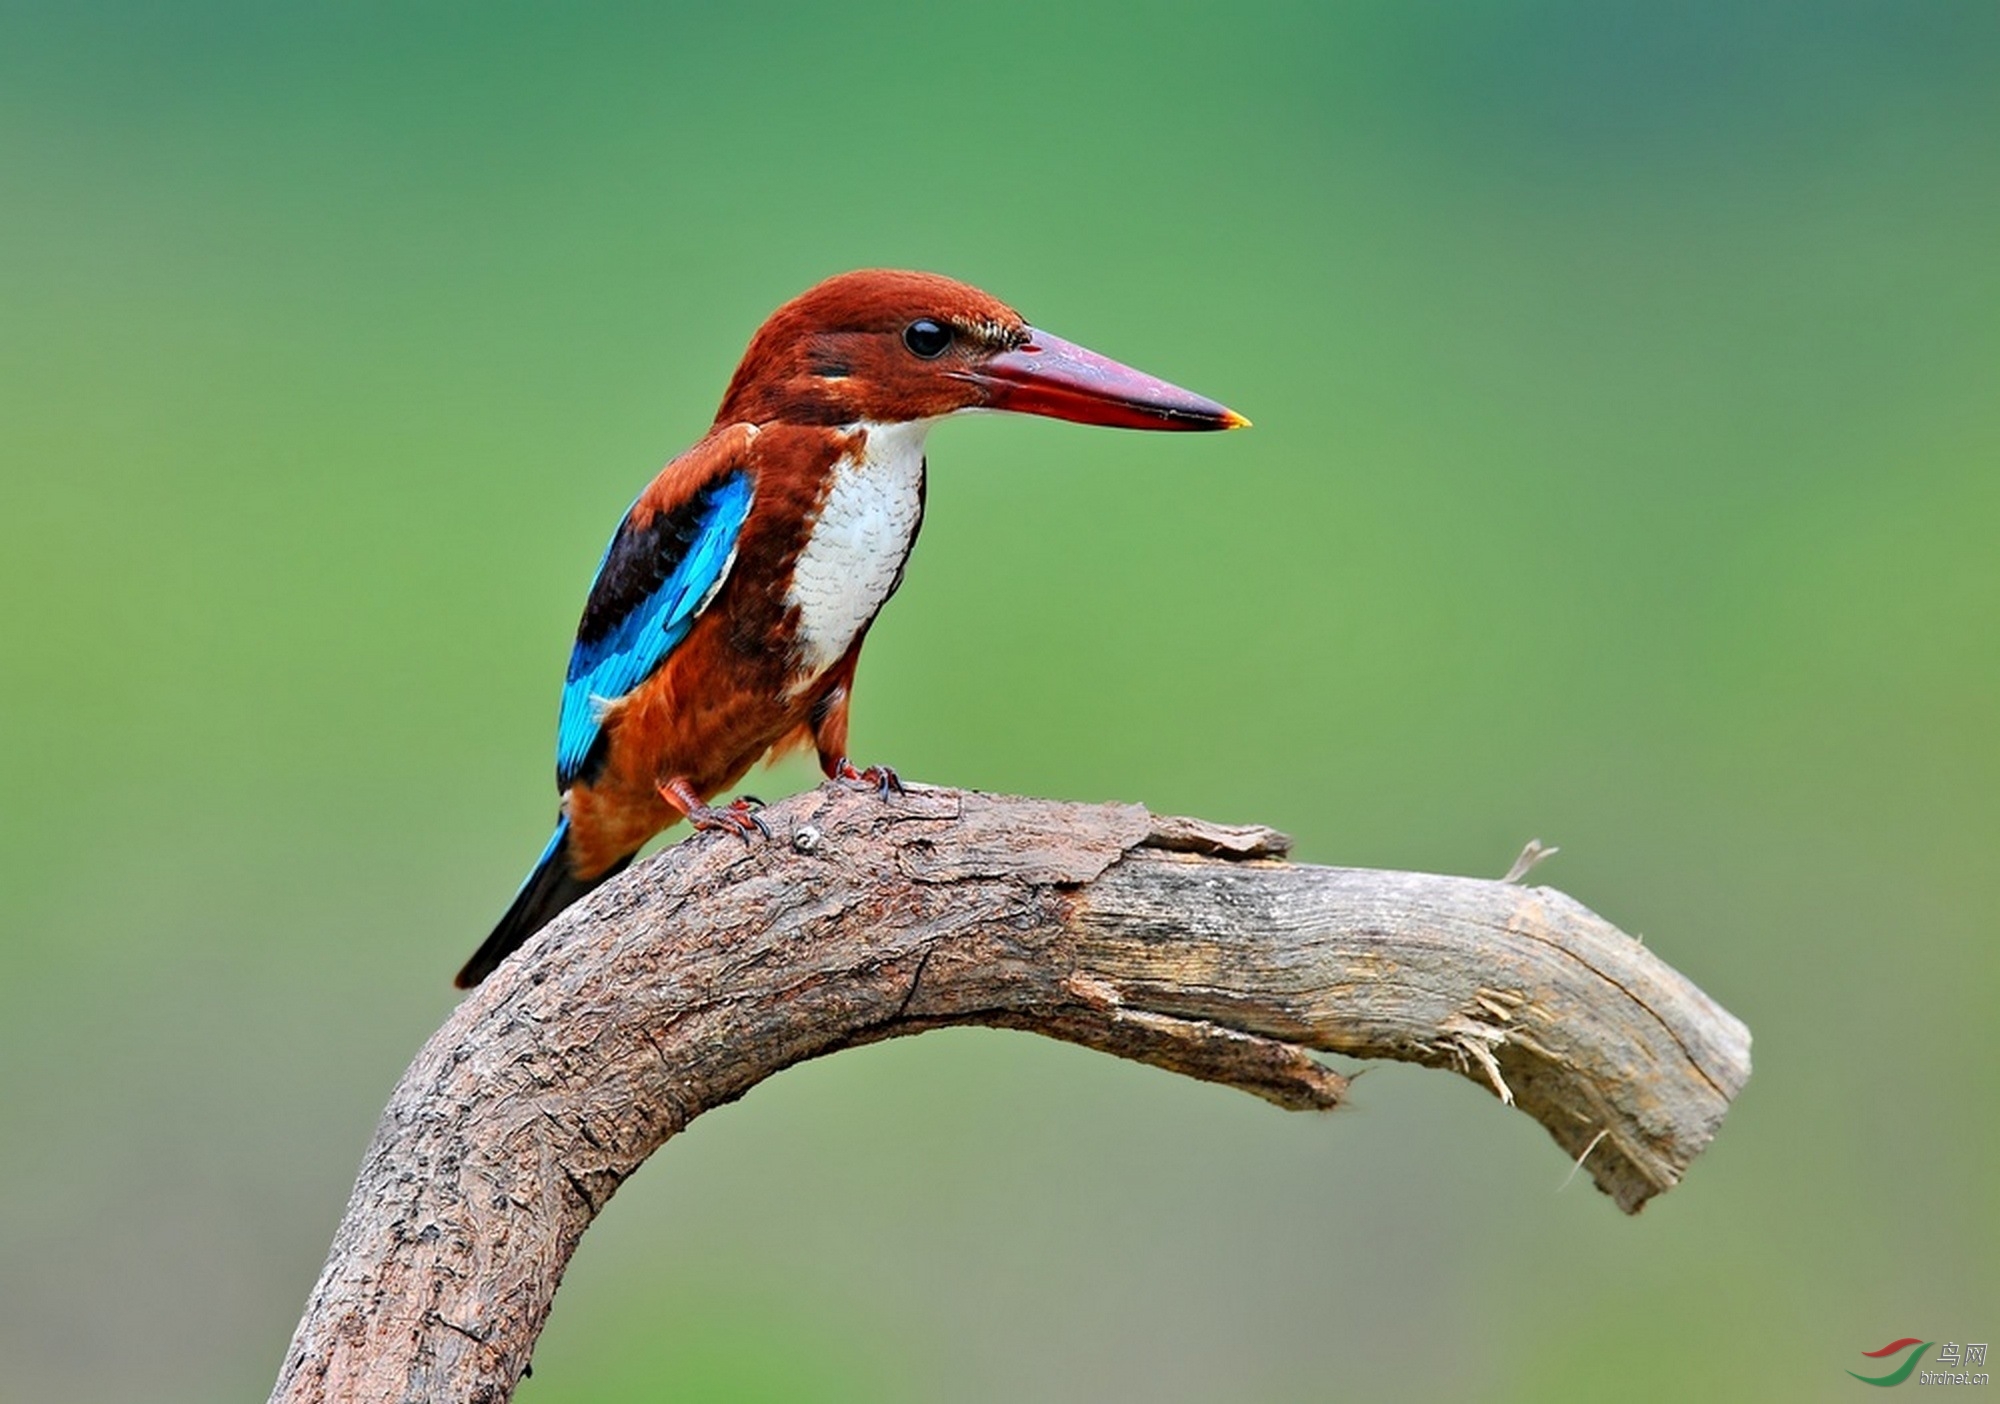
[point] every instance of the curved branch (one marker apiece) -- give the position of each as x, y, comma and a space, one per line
1180, 943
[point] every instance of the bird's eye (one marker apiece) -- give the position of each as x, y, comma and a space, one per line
926, 338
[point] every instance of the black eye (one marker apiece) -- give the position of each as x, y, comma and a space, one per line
926, 338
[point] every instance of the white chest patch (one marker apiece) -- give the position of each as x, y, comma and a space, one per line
857, 544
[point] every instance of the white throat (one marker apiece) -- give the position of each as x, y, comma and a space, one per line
857, 543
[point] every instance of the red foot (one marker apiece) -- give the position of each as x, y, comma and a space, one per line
884, 779
738, 817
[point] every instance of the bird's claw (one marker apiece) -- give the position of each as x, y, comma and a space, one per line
882, 777
738, 817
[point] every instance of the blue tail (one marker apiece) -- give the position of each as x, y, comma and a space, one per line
549, 888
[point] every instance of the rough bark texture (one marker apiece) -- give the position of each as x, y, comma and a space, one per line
1188, 945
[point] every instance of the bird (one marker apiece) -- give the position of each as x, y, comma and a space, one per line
729, 610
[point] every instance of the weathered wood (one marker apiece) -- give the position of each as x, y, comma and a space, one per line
1173, 941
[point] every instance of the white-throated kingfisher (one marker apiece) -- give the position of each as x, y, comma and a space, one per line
730, 608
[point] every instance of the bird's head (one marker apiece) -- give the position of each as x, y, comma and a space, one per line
890, 347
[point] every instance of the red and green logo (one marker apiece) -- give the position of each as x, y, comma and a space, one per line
1902, 1371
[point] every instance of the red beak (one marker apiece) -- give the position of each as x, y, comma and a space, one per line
1057, 378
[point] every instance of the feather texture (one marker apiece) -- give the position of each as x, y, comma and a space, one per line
660, 571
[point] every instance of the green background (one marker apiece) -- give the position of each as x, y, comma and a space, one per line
1624, 474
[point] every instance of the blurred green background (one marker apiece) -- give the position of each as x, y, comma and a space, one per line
1624, 474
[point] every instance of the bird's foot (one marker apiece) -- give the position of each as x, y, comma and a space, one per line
884, 779
738, 817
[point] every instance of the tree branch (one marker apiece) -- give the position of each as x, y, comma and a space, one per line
1188, 945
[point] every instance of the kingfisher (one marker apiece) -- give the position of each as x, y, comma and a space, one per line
729, 610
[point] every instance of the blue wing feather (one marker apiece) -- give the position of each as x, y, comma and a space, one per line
650, 587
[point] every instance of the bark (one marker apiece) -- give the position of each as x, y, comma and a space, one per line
1189, 945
